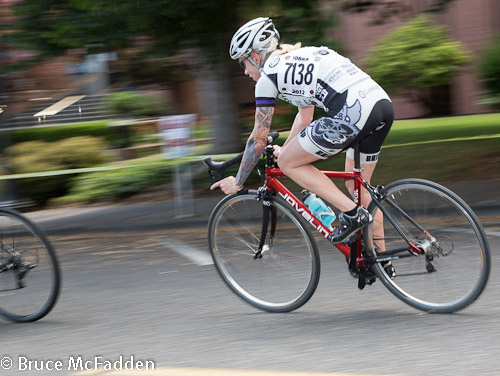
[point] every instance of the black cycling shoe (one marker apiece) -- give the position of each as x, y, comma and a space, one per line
348, 225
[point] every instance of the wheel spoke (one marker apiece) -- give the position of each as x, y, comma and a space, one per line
454, 267
286, 273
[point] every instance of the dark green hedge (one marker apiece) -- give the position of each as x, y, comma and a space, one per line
40, 156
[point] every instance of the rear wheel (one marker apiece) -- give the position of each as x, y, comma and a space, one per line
454, 268
29, 272
285, 274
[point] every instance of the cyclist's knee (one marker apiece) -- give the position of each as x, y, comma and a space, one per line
293, 157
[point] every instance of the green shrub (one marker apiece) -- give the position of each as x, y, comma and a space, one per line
98, 129
116, 184
115, 137
39, 156
132, 103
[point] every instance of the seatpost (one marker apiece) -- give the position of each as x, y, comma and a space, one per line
355, 257
357, 159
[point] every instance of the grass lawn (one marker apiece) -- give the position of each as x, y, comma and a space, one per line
442, 149
422, 130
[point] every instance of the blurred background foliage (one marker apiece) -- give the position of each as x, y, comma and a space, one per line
39, 156
416, 56
117, 184
132, 103
166, 43
158, 28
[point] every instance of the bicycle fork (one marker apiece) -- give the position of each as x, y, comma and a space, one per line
269, 214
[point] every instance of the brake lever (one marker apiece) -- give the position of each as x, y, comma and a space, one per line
220, 172
211, 174
210, 170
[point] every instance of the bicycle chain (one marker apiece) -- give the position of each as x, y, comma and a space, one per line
404, 274
389, 238
411, 274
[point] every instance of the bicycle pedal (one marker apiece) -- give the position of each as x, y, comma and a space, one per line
361, 283
389, 269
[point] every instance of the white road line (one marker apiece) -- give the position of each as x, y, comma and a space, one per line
196, 255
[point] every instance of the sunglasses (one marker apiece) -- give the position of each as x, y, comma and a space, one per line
242, 63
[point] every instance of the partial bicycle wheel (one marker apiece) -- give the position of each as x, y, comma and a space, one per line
29, 271
285, 274
454, 269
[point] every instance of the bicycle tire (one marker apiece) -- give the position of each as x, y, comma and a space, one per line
288, 273
454, 270
29, 288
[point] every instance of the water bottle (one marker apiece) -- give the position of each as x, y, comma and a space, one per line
319, 209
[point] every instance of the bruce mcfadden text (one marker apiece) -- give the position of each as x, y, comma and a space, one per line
79, 363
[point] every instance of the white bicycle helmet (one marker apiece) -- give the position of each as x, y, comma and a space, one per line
256, 35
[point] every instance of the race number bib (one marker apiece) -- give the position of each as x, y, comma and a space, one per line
298, 75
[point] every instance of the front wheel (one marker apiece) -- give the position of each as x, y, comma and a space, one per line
29, 271
454, 267
284, 274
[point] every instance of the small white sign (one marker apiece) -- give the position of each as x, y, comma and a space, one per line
176, 135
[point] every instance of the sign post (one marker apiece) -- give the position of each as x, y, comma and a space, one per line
177, 143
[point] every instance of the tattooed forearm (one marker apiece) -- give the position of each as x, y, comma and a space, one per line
263, 119
256, 143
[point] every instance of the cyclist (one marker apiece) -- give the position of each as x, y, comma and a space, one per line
357, 110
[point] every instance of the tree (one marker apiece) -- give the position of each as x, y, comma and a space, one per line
167, 27
490, 72
414, 57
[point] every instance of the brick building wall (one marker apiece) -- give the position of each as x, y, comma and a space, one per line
472, 22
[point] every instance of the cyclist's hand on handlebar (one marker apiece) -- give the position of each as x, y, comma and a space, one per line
227, 185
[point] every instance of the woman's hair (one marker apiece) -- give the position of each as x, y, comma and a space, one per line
282, 48
285, 48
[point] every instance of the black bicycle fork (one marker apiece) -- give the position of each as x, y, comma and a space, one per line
269, 214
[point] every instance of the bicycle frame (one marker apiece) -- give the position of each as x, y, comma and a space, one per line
272, 183
352, 251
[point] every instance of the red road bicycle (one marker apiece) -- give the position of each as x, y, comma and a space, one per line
436, 256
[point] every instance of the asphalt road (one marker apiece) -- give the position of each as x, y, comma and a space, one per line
137, 283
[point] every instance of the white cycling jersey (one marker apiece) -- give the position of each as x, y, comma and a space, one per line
307, 76
319, 76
